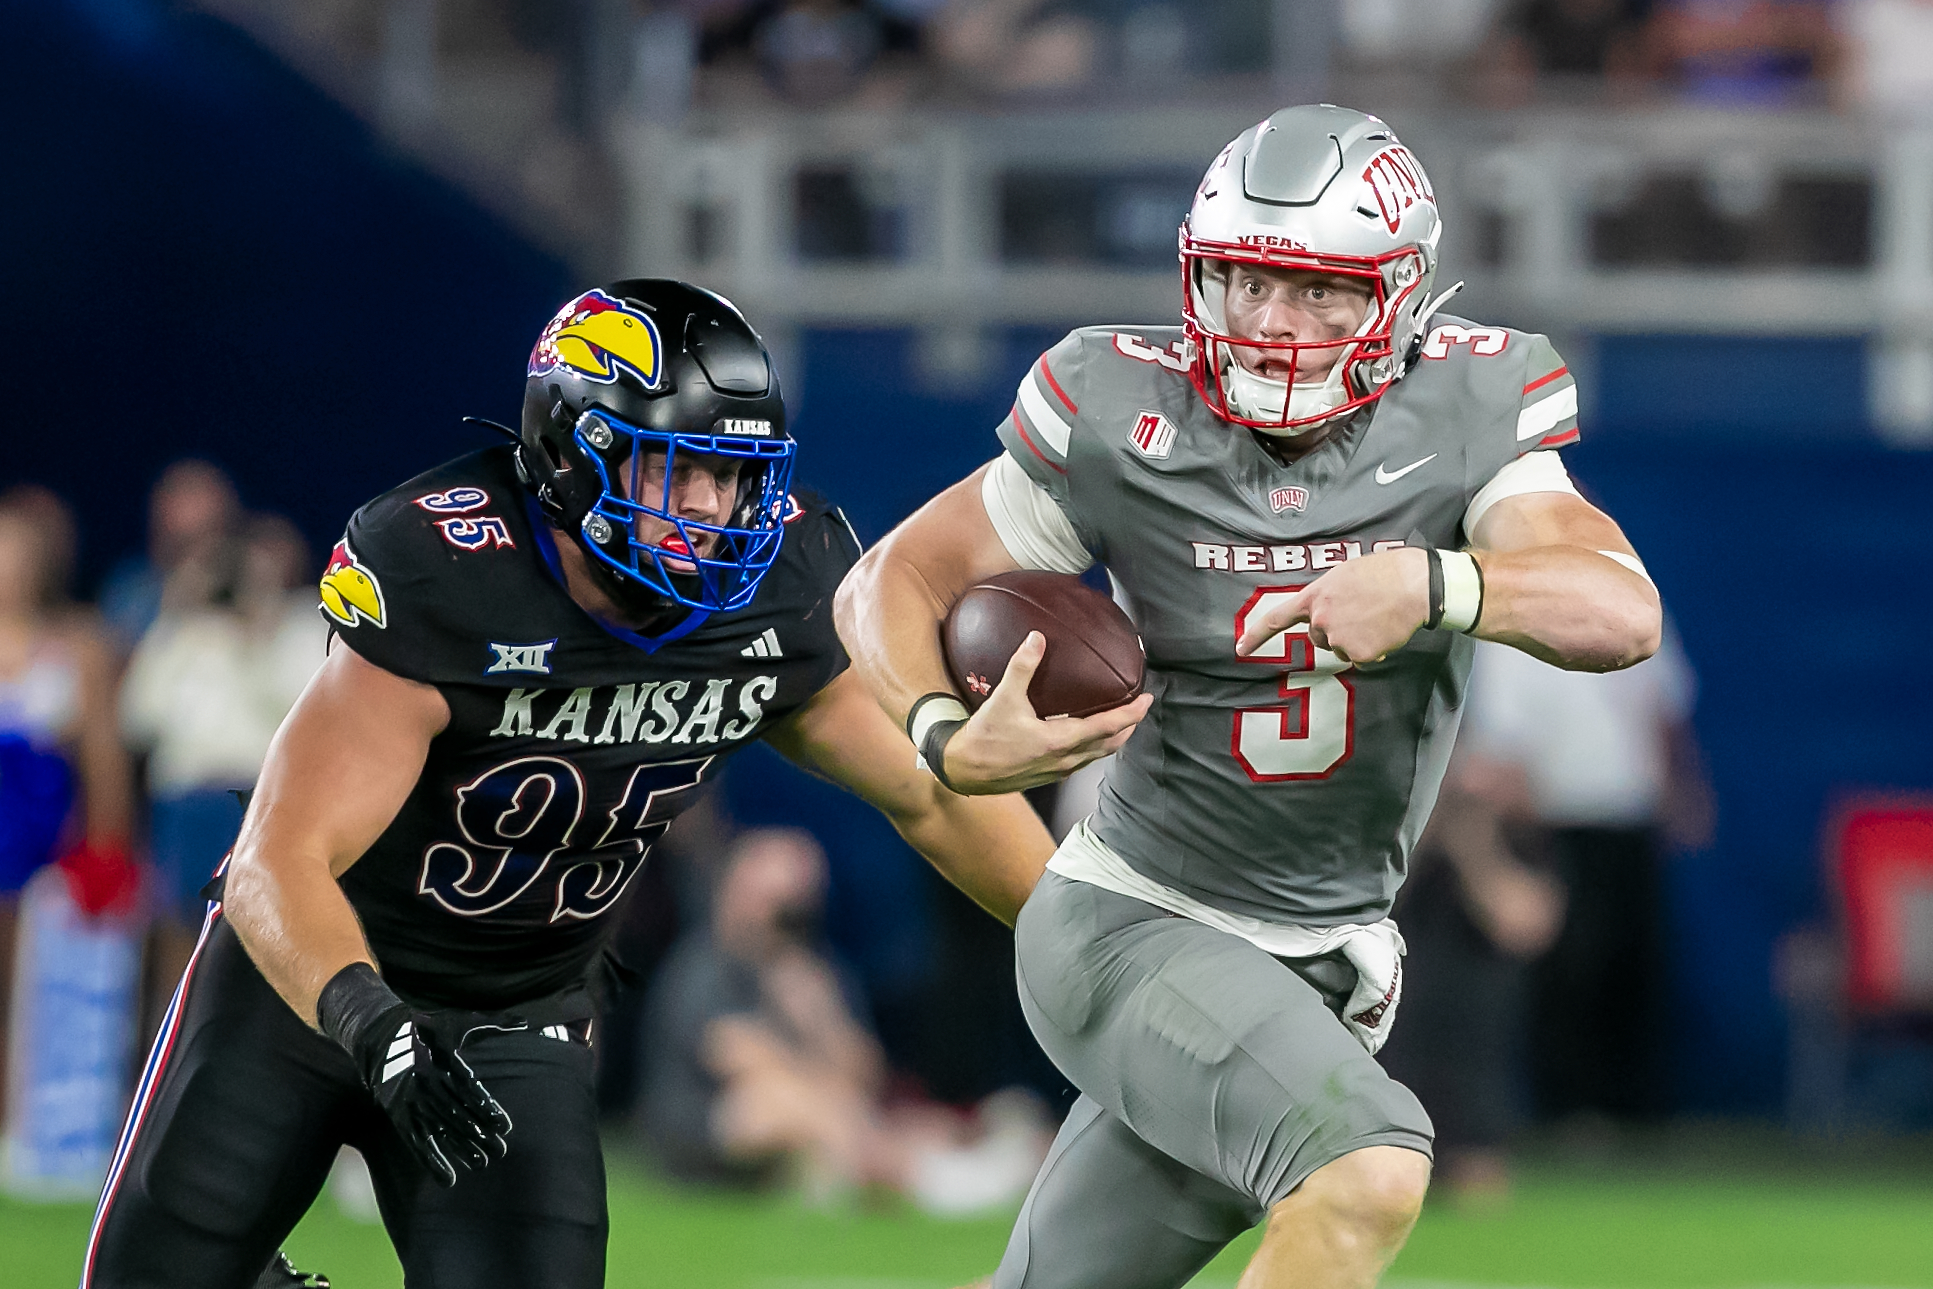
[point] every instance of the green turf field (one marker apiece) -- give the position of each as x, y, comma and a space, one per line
1640, 1219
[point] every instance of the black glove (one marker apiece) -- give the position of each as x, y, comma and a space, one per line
411, 1064
281, 1274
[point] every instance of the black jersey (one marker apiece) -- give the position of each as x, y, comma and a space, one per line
572, 743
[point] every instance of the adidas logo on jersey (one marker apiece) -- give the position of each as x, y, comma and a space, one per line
766, 646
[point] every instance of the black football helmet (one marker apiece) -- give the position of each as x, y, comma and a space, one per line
647, 366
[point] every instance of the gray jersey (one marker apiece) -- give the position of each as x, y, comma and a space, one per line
1288, 786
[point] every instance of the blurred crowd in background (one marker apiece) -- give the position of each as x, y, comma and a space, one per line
1499, 51
882, 54
738, 1047
537, 95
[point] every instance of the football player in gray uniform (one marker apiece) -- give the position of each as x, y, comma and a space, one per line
1309, 496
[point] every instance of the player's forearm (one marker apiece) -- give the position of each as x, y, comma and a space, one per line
293, 920
1574, 608
339, 769
993, 848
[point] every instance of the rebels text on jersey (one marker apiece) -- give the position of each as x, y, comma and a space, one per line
571, 744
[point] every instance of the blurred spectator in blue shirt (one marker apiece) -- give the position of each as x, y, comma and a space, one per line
1770, 52
64, 782
56, 698
191, 516
814, 51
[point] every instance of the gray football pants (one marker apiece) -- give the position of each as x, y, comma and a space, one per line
1215, 1079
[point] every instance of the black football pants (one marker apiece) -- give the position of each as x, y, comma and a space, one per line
238, 1118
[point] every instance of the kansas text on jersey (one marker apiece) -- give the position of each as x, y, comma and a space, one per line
571, 744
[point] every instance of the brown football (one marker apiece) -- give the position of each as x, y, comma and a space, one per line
1094, 658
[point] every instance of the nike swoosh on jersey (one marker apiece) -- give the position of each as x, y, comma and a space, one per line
1386, 475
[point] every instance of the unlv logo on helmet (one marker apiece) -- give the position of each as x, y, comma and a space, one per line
1398, 183
597, 337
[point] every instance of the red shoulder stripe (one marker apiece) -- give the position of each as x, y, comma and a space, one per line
1559, 440
1026, 438
1054, 385
1541, 381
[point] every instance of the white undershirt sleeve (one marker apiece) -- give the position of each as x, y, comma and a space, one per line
1540, 471
1031, 524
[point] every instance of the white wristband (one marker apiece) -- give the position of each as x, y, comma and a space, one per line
930, 712
1462, 590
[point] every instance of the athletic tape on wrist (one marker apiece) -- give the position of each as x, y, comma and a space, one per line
933, 749
1462, 602
933, 721
929, 710
352, 1001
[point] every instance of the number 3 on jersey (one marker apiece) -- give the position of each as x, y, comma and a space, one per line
1313, 730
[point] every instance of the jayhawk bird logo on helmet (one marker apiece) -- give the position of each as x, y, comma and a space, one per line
598, 337
628, 382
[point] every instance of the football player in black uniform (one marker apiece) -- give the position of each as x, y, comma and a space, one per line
541, 650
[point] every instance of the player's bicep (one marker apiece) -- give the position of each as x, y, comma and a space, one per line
342, 764
949, 543
1535, 519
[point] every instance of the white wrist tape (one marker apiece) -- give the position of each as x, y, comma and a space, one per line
931, 712
1462, 590
1629, 561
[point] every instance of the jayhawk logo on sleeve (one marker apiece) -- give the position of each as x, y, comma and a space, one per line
596, 336
350, 592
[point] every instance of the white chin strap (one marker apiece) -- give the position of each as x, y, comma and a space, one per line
1260, 399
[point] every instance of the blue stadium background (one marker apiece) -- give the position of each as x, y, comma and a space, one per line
204, 256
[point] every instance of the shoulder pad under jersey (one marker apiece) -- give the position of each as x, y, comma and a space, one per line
1519, 372
422, 567
1089, 377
